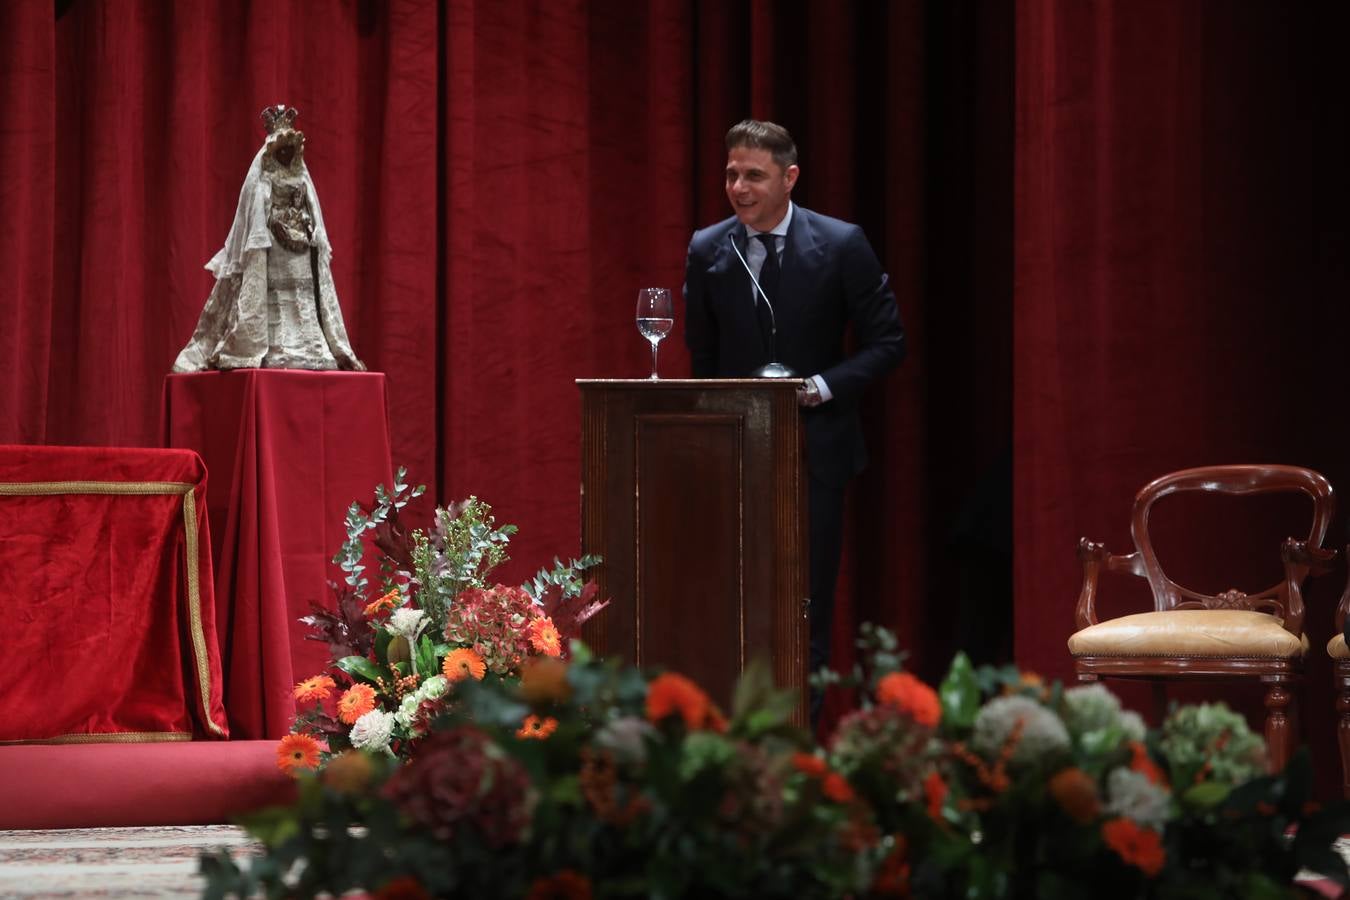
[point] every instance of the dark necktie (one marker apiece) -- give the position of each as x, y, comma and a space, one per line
768, 282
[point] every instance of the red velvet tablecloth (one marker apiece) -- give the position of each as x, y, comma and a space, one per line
110, 630
288, 452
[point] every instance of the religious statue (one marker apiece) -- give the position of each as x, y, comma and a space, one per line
274, 304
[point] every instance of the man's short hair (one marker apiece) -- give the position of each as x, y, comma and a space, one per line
769, 136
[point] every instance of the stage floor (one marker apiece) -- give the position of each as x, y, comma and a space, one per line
113, 862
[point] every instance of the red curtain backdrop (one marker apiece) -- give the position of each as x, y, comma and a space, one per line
498, 179
1159, 186
1181, 281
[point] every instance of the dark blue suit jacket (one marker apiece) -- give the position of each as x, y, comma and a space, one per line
830, 280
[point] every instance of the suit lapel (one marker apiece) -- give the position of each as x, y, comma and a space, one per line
801, 260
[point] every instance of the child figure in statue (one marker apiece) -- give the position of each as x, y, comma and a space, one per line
274, 304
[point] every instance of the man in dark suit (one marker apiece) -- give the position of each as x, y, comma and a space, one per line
820, 276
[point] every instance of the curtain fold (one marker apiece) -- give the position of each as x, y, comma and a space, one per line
27, 186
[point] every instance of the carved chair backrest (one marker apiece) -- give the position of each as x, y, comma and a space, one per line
1238, 480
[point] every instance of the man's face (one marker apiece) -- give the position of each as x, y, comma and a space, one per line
758, 187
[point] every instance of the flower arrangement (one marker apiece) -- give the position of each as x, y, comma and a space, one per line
586, 779
435, 619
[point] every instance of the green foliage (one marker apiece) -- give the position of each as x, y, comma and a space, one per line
960, 694
459, 552
644, 809
1209, 741
353, 549
564, 576
642, 804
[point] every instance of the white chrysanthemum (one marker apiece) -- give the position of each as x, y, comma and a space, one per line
373, 730
1133, 725
1090, 707
406, 622
1131, 794
1042, 731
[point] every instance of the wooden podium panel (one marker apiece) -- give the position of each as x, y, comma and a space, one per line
693, 491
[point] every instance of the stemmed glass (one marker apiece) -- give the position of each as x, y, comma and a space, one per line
655, 317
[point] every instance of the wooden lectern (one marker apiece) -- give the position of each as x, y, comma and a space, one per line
694, 492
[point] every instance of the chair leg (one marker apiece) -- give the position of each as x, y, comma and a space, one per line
1279, 733
1343, 723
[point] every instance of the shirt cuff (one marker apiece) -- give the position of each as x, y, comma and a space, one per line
823, 388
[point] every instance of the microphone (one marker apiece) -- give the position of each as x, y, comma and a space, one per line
773, 369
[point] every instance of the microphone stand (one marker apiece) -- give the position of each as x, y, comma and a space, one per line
773, 369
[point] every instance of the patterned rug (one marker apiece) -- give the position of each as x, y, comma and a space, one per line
112, 862
162, 862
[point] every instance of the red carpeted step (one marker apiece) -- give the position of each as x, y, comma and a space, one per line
104, 785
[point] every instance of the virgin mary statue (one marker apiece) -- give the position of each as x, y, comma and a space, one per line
274, 304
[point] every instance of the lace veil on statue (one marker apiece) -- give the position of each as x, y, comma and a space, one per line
274, 304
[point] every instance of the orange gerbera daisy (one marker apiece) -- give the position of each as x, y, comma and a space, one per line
671, 693
317, 688
536, 728
810, 764
296, 752
544, 680
544, 637
1076, 793
384, 603
892, 878
1138, 846
902, 691
836, 787
1142, 763
562, 885
935, 791
355, 702
462, 663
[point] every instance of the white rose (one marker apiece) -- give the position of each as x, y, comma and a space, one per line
433, 688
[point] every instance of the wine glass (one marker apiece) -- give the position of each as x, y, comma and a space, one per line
655, 317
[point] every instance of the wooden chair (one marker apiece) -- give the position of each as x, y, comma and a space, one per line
1193, 636
1340, 661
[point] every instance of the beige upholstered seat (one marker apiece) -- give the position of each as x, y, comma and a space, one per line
1190, 632
1190, 635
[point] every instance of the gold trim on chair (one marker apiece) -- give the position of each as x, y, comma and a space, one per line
191, 551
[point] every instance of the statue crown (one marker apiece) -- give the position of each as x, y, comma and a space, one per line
279, 117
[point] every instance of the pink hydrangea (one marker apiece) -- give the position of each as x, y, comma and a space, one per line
495, 622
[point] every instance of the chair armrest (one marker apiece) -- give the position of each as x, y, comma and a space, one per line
1300, 560
1094, 557
1297, 555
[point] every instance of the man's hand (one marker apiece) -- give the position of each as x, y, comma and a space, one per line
808, 394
